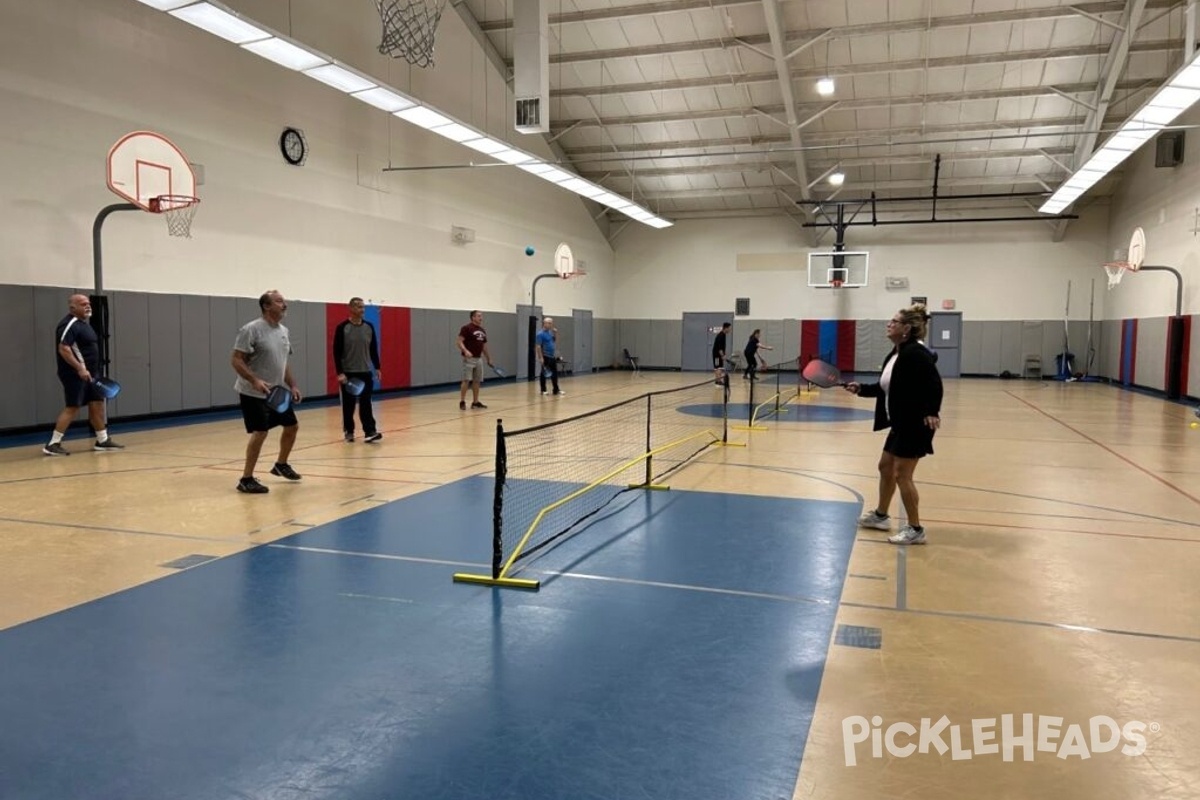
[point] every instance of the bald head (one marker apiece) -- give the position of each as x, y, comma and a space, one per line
78, 305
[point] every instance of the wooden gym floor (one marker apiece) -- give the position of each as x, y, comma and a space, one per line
734, 638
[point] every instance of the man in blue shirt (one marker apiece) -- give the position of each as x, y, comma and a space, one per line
546, 342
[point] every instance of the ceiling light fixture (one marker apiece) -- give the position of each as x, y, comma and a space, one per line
219, 20
837, 178
825, 87
1174, 97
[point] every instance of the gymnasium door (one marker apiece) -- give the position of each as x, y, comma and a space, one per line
945, 337
581, 358
699, 330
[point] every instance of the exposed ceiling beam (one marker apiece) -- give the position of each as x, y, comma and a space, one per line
1114, 65
727, 112
1170, 45
778, 33
775, 165
865, 137
854, 188
916, 24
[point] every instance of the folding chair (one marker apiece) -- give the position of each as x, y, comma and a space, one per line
633, 361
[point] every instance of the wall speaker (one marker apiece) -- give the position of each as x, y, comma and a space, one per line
742, 307
1168, 149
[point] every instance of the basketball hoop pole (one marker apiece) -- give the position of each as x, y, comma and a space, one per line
97, 257
101, 309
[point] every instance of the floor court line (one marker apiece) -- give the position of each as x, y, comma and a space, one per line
1109, 450
561, 574
106, 529
1066, 626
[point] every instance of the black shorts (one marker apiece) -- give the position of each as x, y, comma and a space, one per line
909, 441
259, 417
78, 392
718, 362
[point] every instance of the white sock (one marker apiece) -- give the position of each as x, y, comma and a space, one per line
102, 436
57, 437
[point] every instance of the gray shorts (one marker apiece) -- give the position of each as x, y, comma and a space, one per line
472, 369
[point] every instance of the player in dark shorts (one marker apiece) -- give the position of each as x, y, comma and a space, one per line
78, 350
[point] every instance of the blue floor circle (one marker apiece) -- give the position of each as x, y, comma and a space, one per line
792, 412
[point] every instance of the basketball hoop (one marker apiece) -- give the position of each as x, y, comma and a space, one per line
1116, 270
409, 27
179, 210
1129, 260
575, 277
836, 283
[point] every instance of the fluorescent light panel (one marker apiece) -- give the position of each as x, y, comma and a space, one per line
285, 54
166, 5
486, 146
423, 117
340, 78
384, 99
456, 133
220, 22
1176, 96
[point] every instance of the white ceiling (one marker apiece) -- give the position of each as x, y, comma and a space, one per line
701, 108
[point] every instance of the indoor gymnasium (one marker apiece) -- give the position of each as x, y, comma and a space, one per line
569, 399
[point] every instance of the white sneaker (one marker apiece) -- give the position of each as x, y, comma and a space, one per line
560, 394
908, 535
873, 519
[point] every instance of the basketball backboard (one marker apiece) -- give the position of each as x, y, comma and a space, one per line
836, 270
143, 166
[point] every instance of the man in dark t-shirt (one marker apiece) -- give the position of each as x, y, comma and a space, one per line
77, 348
718, 352
472, 346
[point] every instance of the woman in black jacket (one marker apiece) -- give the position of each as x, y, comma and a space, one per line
908, 400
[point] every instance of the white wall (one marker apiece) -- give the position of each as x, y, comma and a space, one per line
993, 271
75, 77
1164, 203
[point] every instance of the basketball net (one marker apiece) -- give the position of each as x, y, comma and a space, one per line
1116, 270
179, 210
575, 278
409, 27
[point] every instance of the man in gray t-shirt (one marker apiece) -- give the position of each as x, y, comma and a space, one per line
260, 359
355, 351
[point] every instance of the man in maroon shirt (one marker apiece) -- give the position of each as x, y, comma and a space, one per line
472, 345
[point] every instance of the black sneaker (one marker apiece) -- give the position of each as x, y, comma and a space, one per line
107, 444
373, 437
348, 436
251, 486
56, 449
478, 404
462, 405
285, 471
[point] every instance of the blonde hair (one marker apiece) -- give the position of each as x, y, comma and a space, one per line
916, 317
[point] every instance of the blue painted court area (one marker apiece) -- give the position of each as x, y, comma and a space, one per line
790, 412
675, 650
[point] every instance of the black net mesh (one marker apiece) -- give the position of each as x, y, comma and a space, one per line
552, 478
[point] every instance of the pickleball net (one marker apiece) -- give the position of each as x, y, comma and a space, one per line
551, 479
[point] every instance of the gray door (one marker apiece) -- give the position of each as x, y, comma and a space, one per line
523, 368
582, 356
945, 337
699, 330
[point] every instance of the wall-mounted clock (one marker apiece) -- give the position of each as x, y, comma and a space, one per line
293, 146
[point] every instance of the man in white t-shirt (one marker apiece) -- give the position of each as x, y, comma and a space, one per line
260, 359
